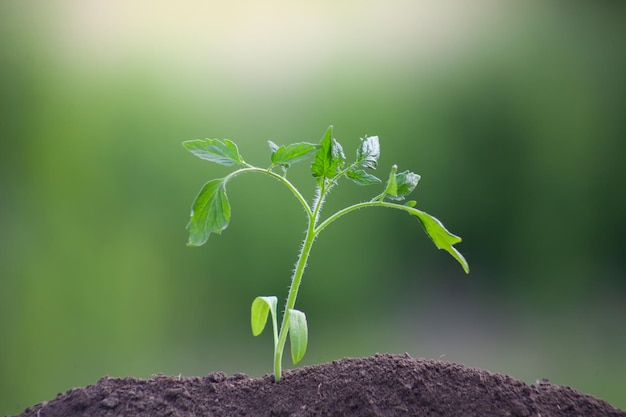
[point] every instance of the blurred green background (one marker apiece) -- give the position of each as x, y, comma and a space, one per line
513, 114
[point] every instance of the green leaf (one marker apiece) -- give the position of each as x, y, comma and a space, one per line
323, 157
261, 306
405, 184
392, 186
298, 334
361, 177
210, 212
214, 150
329, 158
290, 154
368, 152
339, 158
440, 236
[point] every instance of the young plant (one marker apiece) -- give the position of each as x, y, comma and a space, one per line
210, 213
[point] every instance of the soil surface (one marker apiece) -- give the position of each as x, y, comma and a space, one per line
381, 385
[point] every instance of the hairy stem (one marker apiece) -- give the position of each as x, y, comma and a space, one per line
291, 300
311, 234
373, 203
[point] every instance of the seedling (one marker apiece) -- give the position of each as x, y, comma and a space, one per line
210, 213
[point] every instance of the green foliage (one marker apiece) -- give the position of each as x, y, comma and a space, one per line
211, 214
298, 334
261, 306
223, 153
329, 159
290, 154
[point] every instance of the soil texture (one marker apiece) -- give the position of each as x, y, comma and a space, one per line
380, 385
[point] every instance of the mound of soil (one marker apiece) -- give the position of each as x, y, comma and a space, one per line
381, 385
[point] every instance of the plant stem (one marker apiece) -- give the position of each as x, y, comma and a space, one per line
373, 203
311, 233
291, 300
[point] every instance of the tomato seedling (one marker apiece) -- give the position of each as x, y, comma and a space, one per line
210, 213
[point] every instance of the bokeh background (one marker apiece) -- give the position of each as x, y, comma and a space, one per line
513, 113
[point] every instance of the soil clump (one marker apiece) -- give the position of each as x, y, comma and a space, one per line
380, 385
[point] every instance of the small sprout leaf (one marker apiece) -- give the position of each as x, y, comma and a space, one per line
411, 203
210, 212
221, 152
368, 152
298, 334
361, 177
261, 306
290, 154
440, 236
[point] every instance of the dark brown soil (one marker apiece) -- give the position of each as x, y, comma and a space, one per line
382, 385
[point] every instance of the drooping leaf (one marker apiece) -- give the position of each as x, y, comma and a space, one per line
368, 152
361, 177
290, 154
298, 334
329, 158
261, 306
210, 212
222, 152
440, 236
405, 184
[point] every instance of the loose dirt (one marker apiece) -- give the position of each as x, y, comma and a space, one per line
381, 385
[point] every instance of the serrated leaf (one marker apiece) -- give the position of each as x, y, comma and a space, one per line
261, 306
329, 158
368, 152
298, 334
290, 154
361, 177
405, 184
440, 236
221, 152
210, 212
323, 156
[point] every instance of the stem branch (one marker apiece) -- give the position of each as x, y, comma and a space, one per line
374, 203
